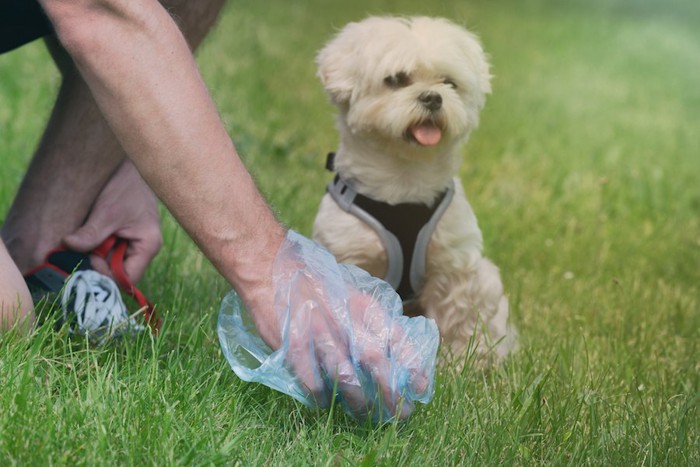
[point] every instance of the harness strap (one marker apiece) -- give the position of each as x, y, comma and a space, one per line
404, 229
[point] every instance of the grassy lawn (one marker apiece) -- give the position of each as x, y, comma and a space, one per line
584, 175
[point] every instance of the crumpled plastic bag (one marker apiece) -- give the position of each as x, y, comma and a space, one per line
343, 336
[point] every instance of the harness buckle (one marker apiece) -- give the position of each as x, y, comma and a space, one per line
342, 192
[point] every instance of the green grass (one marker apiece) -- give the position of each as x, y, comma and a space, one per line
584, 175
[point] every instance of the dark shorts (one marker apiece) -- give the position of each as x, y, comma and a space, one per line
21, 21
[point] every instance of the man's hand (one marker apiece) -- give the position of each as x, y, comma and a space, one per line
127, 208
340, 329
354, 345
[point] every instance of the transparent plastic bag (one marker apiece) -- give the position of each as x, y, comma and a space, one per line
343, 335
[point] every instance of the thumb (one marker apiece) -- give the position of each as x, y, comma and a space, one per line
86, 238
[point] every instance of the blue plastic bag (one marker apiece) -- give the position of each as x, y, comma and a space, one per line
343, 336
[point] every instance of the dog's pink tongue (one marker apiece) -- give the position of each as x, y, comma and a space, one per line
426, 134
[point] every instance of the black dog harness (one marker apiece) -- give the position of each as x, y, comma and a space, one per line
404, 228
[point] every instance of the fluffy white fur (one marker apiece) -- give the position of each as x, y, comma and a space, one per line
378, 73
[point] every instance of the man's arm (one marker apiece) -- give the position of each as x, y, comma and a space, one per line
145, 81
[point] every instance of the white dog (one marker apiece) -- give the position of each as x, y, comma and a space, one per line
409, 92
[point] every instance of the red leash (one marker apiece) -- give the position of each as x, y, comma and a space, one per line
113, 250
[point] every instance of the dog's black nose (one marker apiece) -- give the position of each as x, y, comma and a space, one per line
431, 100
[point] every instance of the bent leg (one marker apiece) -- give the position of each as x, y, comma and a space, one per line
75, 157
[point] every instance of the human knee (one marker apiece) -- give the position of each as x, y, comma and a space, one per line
16, 304
16, 309
82, 26
69, 19
194, 19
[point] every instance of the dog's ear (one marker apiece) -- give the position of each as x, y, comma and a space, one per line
482, 67
475, 55
335, 68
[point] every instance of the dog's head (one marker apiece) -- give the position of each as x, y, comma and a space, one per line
417, 82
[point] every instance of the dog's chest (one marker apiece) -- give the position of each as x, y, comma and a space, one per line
452, 248
404, 230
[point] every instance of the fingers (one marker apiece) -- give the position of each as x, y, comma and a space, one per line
375, 368
346, 332
88, 237
343, 378
135, 265
144, 245
340, 374
100, 265
140, 252
319, 354
306, 322
394, 402
393, 361
144, 237
411, 358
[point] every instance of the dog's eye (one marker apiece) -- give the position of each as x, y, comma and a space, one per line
450, 83
399, 80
